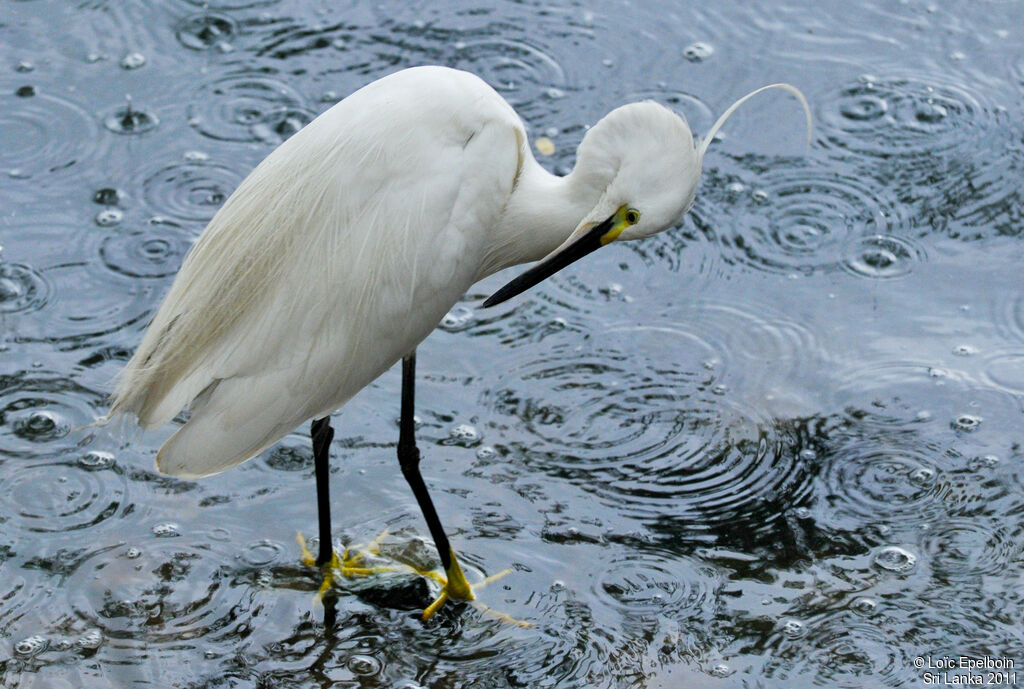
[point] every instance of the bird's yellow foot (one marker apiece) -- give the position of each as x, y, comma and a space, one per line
455, 587
349, 564
452, 581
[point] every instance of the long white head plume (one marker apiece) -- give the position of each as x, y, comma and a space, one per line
732, 108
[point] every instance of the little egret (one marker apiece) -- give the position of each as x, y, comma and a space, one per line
347, 245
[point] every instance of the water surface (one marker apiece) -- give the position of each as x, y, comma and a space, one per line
776, 446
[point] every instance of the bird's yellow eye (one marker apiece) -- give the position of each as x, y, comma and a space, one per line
632, 216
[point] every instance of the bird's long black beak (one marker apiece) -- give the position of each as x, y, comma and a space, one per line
587, 242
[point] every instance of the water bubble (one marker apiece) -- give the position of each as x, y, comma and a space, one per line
612, 289
264, 578
554, 93
24, 66
262, 553
882, 256
127, 119
735, 188
985, 462
108, 196
966, 422
759, 196
21, 288
92, 639
459, 318
965, 350
133, 60
203, 31
290, 457
364, 666
485, 452
863, 107
864, 606
922, 476
280, 124
698, 51
96, 459
108, 217
793, 629
41, 426
721, 670
930, 113
166, 530
464, 435
895, 559
133, 553
31, 646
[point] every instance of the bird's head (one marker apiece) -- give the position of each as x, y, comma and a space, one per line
643, 157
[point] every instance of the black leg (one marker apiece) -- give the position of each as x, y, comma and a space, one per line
322, 435
409, 459
330, 601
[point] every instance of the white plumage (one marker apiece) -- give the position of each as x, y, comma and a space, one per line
346, 246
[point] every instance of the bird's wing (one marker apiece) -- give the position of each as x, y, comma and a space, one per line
335, 257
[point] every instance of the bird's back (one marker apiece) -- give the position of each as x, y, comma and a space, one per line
336, 256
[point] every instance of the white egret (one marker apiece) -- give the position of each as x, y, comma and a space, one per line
346, 246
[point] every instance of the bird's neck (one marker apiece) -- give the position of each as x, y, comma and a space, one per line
542, 212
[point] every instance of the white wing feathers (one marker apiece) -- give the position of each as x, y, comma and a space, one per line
337, 255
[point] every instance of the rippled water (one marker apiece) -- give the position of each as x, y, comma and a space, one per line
777, 446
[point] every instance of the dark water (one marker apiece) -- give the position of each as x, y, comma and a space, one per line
777, 446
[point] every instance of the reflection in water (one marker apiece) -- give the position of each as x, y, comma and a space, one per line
776, 446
